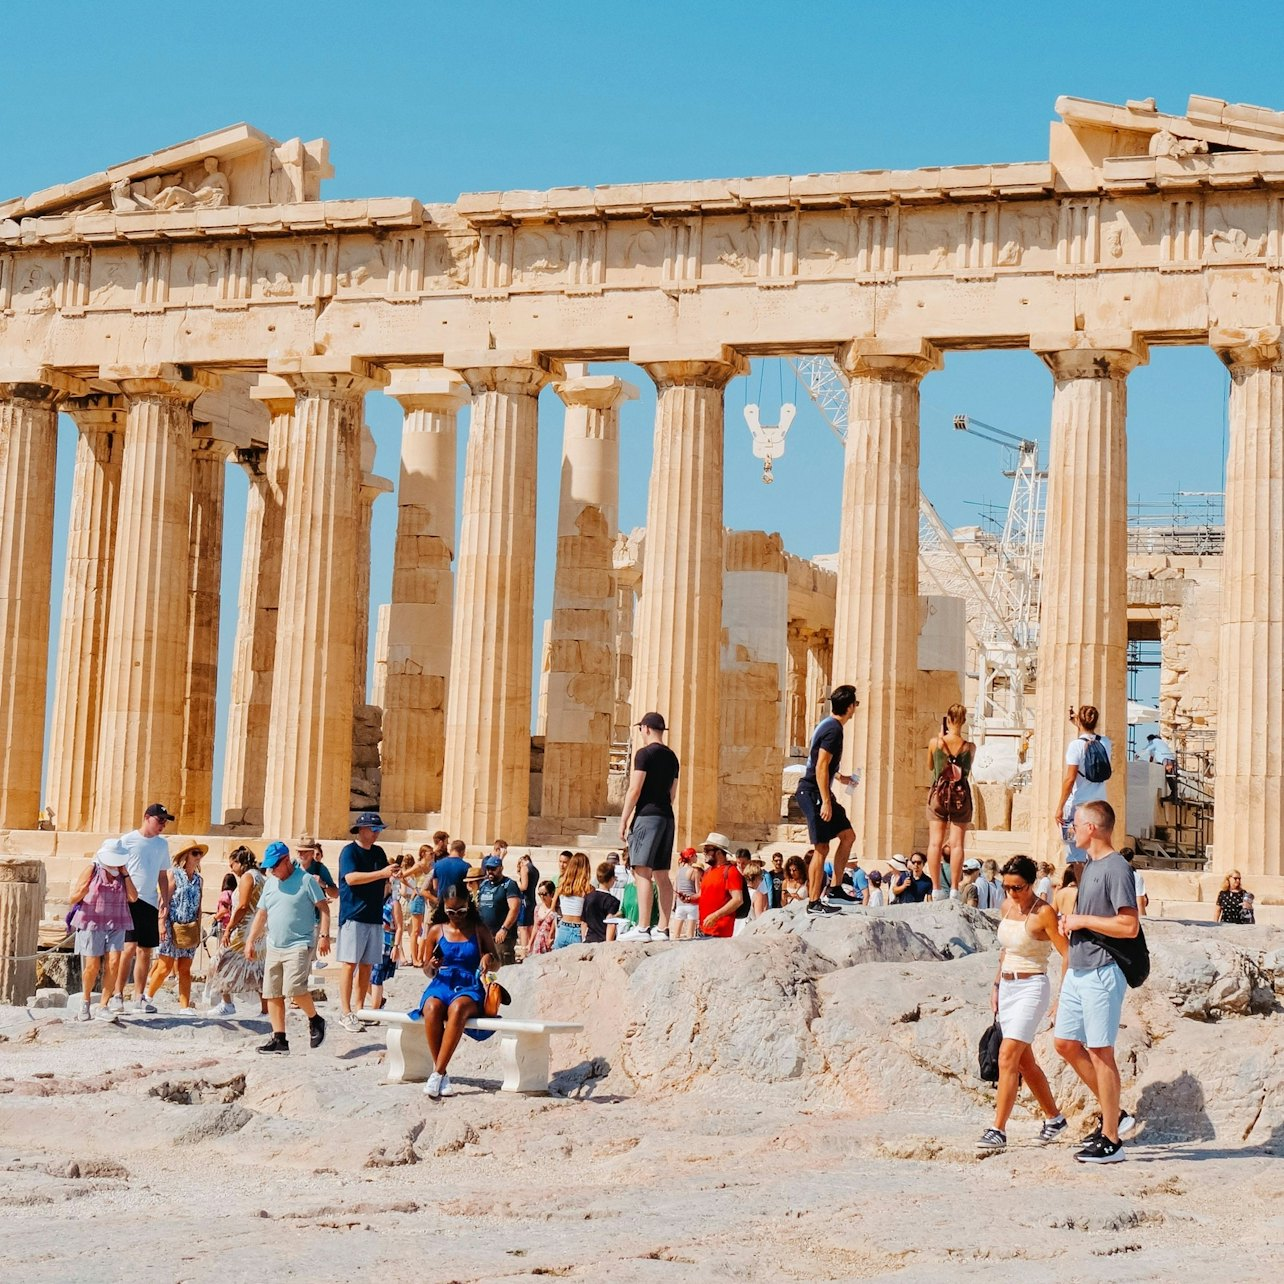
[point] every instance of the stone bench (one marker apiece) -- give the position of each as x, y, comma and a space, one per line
523, 1047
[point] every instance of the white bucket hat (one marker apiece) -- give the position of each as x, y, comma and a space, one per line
721, 841
113, 854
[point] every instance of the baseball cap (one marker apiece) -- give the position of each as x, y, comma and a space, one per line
275, 854
159, 809
368, 820
652, 720
971, 863
492, 862
687, 855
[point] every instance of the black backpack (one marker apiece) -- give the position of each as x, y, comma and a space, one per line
1096, 760
1131, 954
987, 1053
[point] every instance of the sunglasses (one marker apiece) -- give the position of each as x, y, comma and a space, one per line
457, 913
916, 862
1015, 887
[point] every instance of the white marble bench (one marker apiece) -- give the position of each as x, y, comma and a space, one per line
523, 1047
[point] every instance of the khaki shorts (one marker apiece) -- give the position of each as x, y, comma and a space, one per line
285, 972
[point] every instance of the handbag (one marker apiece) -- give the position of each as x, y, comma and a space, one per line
987, 1053
493, 996
187, 936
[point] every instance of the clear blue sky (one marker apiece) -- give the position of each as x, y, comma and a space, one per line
432, 99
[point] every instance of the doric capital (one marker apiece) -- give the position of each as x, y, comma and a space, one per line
372, 486
328, 375
1093, 354
515, 371
97, 412
39, 385
597, 392
160, 379
1245, 350
253, 459
432, 388
693, 367
275, 393
896, 360
207, 444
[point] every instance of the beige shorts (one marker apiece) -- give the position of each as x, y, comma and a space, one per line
285, 972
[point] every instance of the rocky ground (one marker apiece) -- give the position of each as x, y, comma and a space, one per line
800, 1103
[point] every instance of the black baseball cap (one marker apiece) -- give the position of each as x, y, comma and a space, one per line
159, 809
652, 720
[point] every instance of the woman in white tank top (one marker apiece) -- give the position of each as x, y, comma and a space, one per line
1022, 995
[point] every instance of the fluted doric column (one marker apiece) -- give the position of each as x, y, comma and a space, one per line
486, 789
28, 457
797, 638
204, 580
419, 616
372, 487
628, 575
581, 652
86, 603
676, 656
254, 651
140, 736
1250, 712
876, 623
309, 762
1083, 616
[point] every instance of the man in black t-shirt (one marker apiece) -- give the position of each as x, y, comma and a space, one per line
649, 805
826, 819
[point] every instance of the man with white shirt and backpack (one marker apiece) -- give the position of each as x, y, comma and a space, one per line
1087, 770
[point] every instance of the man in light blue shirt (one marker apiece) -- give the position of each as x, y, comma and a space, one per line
293, 907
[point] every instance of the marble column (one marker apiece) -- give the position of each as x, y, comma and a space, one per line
309, 760
876, 621
627, 564
676, 656
581, 655
419, 617
797, 731
86, 601
204, 581
254, 651
486, 787
820, 680
28, 458
1250, 756
371, 488
1083, 617
140, 734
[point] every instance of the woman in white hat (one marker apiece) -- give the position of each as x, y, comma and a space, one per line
100, 916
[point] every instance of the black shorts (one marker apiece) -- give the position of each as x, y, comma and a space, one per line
146, 930
821, 831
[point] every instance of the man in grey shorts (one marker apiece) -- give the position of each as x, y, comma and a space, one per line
363, 875
649, 805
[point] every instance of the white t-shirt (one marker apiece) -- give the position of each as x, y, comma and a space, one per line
876, 897
1160, 751
1139, 883
1084, 790
147, 858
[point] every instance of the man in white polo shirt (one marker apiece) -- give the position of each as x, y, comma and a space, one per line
148, 857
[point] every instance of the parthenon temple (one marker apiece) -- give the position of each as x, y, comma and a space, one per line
206, 303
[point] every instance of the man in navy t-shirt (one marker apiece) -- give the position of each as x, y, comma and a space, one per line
450, 871
826, 819
363, 880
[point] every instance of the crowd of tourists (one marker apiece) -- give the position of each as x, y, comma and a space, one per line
136, 911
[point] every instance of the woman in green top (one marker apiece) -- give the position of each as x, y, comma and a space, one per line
949, 803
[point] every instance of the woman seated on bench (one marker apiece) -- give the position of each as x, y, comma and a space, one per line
458, 948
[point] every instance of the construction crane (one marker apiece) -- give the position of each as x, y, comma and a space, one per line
1002, 615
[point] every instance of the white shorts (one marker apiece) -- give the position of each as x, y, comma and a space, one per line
1022, 1006
685, 913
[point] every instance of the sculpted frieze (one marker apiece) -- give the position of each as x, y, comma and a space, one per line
448, 260
33, 288
540, 257
276, 271
825, 244
730, 249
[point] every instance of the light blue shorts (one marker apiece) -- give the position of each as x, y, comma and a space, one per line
360, 943
1089, 1007
94, 942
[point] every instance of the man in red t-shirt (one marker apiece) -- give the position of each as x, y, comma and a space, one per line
722, 889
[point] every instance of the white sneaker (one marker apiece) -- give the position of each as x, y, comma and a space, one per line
223, 1010
115, 1004
433, 1087
143, 1007
351, 1022
84, 1014
104, 1014
636, 934
659, 934
445, 1090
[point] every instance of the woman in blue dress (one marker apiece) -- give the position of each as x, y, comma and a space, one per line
458, 948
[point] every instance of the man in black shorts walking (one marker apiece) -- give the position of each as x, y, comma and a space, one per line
649, 804
826, 819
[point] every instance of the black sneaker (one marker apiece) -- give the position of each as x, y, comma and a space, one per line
819, 907
842, 895
1102, 1150
1127, 1122
316, 1030
1052, 1129
278, 1044
992, 1140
